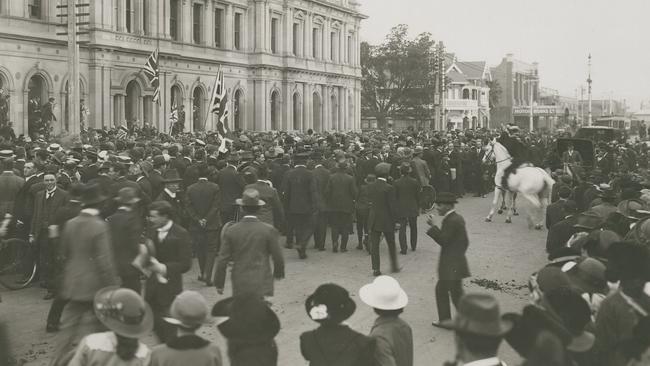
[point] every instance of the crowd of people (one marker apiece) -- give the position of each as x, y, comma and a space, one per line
119, 214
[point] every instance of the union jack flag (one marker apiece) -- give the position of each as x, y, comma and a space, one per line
152, 72
218, 94
122, 133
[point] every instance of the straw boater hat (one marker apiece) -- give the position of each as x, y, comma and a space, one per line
6, 154
384, 293
123, 311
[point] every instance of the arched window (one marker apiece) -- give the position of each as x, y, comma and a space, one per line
133, 104
275, 111
465, 93
4, 100
197, 109
238, 104
37, 94
297, 112
474, 95
317, 113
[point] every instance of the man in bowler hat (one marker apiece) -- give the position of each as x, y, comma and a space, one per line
452, 266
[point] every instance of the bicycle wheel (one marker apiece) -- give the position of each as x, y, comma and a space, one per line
15, 273
427, 198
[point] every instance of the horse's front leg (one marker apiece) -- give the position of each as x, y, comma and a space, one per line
495, 202
514, 206
509, 205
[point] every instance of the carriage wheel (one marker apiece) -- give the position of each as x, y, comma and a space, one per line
427, 198
15, 273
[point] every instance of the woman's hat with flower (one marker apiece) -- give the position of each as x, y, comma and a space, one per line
330, 303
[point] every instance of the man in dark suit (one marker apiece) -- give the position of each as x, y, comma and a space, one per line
173, 195
555, 211
340, 192
156, 176
171, 256
322, 175
91, 168
126, 232
407, 192
203, 205
119, 172
562, 231
47, 113
452, 265
272, 212
10, 185
382, 218
571, 156
47, 204
24, 203
231, 185
300, 192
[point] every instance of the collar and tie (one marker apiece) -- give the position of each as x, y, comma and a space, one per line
49, 194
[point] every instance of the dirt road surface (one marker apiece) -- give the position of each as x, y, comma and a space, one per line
501, 258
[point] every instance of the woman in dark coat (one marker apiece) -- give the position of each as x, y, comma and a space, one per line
333, 343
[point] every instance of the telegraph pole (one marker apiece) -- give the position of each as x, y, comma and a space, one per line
589, 121
73, 68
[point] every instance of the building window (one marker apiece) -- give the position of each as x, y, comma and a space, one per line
274, 35
238, 25
34, 9
333, 48
218, 26
196, 22
173, 19
314, 43
128, 9
465, 93
296, 38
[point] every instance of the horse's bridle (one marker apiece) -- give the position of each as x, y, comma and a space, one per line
491, 152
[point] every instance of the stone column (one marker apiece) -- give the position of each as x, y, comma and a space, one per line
122, 109
138, 21
259, 102
228, 28
326, 40
307, 106
164, 10
185, 21
95, 92
307, 41
208, 24
287, 39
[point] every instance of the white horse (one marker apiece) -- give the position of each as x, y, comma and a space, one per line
533, 183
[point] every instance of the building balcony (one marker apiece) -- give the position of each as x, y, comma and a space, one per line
461, 104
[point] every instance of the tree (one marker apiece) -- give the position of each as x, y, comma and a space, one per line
396, 76
495, 93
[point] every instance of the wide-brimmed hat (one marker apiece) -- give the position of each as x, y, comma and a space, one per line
573, 311
633, 209
588, 275
384, 293
479, 314
92, 194
189, 310
123, 311
446, 197
127, 196
171, 176
330, 303
370, 178
382, 169
588, 220
250, 197
249, 318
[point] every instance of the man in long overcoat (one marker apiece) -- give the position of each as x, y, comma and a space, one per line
382, 218
340, 192
250, 244
300, 192
452, 265
407, 193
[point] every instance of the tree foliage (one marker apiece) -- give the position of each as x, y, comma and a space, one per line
396, 76
495, 92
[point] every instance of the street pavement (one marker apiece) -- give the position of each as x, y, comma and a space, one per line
501, 258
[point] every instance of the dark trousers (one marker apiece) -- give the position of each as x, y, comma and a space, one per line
302, 224
56, 309
362, 225
228, 213
413, 226
289, 232
375, 237
340, 224
45, 257
445, 289
132, 281
163, 330
206, 247
320, 229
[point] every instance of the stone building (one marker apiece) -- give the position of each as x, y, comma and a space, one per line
517, 80
288, 64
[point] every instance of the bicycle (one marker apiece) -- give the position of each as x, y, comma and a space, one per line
18, 267
427, 198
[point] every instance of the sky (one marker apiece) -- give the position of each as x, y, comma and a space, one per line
558, 34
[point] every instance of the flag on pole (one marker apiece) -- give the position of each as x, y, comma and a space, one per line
218, 94
173, 116
122, 133
152, 72
222, 125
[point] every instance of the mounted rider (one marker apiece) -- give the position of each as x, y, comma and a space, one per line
517, 150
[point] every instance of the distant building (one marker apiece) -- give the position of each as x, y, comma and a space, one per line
467, 96
602, 108
289, 64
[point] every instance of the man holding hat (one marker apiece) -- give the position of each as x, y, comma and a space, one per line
452, 266
479, 330
250, 244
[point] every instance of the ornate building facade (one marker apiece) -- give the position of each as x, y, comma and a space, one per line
288, 64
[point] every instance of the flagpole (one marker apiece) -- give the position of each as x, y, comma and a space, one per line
216, 80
